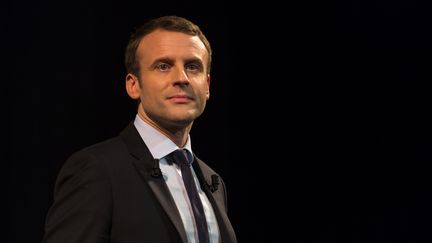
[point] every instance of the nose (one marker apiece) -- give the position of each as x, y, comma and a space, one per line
180, 77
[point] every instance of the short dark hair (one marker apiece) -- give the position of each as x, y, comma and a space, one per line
169, 23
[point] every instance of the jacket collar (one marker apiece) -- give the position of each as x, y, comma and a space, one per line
148, 167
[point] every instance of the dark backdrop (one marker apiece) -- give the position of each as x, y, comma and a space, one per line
318, 119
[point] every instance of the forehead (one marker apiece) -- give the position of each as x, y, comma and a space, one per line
169, 43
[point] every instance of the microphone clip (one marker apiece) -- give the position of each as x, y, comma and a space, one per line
214, 183
156, 172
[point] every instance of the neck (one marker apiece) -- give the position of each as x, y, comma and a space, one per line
177, 134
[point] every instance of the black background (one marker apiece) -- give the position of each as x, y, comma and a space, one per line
318, 119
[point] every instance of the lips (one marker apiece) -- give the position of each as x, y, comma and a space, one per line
180, 98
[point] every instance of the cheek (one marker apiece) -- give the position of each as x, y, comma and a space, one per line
203, 98
203, 91
204, 86
146, 94
148, 88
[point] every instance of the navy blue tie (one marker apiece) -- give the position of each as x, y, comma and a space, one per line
195, 201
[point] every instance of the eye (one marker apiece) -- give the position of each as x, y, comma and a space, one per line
163, 67
194, 67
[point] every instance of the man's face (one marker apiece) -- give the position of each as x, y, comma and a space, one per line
174, 83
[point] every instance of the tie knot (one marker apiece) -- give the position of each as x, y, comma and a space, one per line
181, 156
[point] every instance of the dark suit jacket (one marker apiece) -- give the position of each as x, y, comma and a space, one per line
109, 193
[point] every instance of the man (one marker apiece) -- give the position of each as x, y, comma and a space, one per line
132, 188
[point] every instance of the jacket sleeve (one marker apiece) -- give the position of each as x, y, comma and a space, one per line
82, 208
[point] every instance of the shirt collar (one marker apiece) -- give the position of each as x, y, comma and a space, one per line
158, 144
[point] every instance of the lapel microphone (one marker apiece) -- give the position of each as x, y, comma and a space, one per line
214, 183
155, 171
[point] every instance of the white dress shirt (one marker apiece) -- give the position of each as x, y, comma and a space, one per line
161, 146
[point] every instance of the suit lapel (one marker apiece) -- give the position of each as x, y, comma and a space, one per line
145, 164
218, 203
225, 229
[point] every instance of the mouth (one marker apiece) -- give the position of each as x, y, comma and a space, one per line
180, 98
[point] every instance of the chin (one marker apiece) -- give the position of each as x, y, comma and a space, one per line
186, 116
184, 120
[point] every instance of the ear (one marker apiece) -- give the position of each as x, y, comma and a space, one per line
208, 87
133, 87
